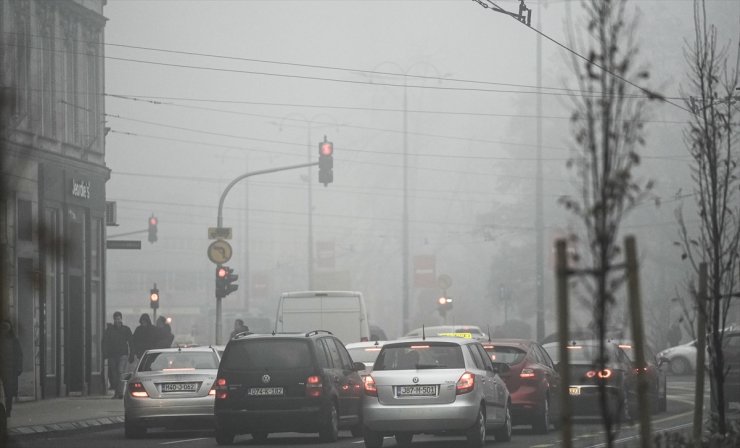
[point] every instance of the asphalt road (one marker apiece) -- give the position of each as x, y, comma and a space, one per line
588, 433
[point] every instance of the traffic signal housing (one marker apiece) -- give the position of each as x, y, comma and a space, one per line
444, 304
225, 279
154, 298
153, 221
326, 162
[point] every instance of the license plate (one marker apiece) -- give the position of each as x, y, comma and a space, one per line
574, 390
179, 387
417, 391
258, 391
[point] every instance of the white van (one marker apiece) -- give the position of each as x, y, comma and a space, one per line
341, 312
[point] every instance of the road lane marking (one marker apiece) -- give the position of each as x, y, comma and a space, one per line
185, 440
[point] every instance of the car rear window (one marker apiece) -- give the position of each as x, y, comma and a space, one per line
508, 355
364, 354
420, 355
161, 361
273, 354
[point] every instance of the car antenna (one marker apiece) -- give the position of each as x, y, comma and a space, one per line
423, 333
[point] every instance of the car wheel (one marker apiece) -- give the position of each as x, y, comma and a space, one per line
404, 439
373, 439
133, 431
680, 366
541, 422
503, 434
476, 435
260, 437
329, 431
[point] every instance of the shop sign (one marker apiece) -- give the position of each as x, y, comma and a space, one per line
81, 188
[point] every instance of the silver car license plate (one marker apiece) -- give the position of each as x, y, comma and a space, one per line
417, 391
179, 387
265, 391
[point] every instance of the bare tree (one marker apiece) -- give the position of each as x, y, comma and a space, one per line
712, 142
607, 126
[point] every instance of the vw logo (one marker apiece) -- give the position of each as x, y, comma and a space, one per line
415, 379
265, 379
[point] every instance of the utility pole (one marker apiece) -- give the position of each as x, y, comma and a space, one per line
539, 221
310, 209
405, 218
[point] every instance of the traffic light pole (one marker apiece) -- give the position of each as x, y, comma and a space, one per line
220, 221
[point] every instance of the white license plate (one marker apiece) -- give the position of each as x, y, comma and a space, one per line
417, 391
179, 387
574, 390
265, 391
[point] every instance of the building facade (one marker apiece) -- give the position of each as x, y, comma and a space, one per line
52, 210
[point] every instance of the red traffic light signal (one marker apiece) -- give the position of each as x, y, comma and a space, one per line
225, 278
326, 148
326, 162
153, 221
154, 298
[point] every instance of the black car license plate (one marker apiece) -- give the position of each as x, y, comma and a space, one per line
261, 391
417, 391
179, 387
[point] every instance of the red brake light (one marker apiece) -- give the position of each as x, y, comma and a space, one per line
369, 385
465, 384
527, 373
137, 390
314, 388
219, 389
603, 374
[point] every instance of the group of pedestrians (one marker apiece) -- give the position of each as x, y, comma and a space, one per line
122, 348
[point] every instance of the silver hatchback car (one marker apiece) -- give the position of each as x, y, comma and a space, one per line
435, 386
171, 387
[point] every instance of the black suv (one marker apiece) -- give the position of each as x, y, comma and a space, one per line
287, 382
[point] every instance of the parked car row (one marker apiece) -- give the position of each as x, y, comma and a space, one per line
460, 383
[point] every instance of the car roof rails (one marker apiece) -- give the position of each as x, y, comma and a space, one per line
314, 332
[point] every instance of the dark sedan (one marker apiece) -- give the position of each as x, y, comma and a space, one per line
531, 379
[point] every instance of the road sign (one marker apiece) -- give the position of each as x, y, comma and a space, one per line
222, 233
444, 281
219, 252
123, 244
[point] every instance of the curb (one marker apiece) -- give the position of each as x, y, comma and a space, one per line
69, 426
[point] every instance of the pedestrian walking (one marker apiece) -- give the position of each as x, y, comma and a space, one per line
11, 363
239, 327
165, 336
117, 341
145, 337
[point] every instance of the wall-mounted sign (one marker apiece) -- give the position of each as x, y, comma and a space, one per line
81, 188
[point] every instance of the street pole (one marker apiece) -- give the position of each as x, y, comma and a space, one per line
539, 224
405, 218
562, 273
701, 341
310, 210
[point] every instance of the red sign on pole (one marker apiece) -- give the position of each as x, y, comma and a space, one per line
425, 271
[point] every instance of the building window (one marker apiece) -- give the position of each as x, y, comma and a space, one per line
25, 220
22, 59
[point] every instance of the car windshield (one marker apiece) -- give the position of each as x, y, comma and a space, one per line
508, 355
364, 354
162, 361
272, 353
420, 355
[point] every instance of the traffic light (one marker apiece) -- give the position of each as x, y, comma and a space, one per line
225, 279
326, 162
154, 298
444, 304
153, 228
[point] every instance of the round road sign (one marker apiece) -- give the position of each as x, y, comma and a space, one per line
219, 252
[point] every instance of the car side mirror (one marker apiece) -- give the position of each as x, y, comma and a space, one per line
358, 366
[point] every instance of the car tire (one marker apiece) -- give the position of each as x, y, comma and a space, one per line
503, 433
373, 439
260, 437
404, 439
476, 435
133, 431
224, 437
680, 366
329, 431
541, 423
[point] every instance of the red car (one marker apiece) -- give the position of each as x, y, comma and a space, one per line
531, 379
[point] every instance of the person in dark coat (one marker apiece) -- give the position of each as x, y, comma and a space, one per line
11, 363
165, 333
117, 341
239, 327
145, 337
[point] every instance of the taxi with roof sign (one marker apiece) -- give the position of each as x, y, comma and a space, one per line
453, 331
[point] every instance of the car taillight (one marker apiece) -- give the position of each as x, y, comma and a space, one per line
603, 374
219, 389
369, 385
465, 384
527, 373
314, 388
137, 390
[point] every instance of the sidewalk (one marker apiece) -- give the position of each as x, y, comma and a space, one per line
62, 414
